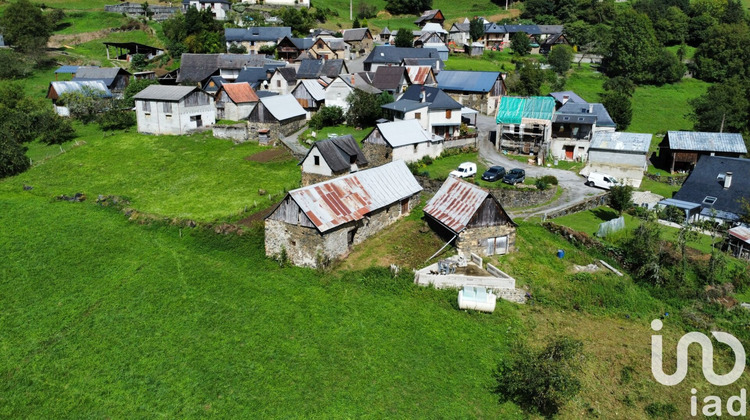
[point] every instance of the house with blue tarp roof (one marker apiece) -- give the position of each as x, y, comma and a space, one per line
524, 124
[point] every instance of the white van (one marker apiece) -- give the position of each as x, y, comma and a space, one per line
601, 180
465, 170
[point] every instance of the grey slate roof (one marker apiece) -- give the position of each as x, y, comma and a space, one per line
66, 70
389, 78
583, 113
257, 33
357, 81
302, 43
195, 68
165, 92
550, 29
467, 81
105, 74
459, 27
252, 75
218, 81
436, 98
352, 35
427, 15
312, 69
338, 152
621, 142
405, 105
288, 73
572, 97
394, 55
265, 93
709, 142
494, 28
704, 181
527, 29
386, 31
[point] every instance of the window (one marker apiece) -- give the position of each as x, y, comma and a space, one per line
278, 83
447, 113
146, 106
317, 160
166, 107
709, 200
418, 115
415, 148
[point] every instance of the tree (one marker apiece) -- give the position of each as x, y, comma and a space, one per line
634, 48
133, 88
237, 49
476, 29
643, 252
560, 57
327, 116
529, 79
667, 68
520, 43
619, 108
724, 107
543, 380
25, 27
620, 84
365, 108
724, 54
621, 198
12, 157
404, 38
671, 27
13, 65
356, 24
139, 61
84, 105
407, 7
734, 12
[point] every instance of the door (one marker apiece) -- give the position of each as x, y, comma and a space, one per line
569, 150
350, 237
498, 245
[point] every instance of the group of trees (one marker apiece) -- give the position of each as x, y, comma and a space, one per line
406, 7
195, 32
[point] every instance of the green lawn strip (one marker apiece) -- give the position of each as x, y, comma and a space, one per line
192, 177
80, 22
660, 188
335, 131
106, 317
490, 61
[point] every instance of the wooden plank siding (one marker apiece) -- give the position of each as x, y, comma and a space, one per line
261, 115
289, 212
490, 213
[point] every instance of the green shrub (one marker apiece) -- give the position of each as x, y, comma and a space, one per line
540, 184
550, 179
672, 214
115, 119
327, 116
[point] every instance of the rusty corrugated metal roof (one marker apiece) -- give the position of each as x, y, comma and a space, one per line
418, 74
455, 203
240, 93
740, 232
348, 198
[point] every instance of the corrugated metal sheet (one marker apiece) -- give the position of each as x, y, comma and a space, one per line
406, 132
710, 142
455, 203
164, 92
628, 142
351, 197
740, 232
418, 74
107, 74
240, 93
315, 89
283, 107
77, 86
467, 81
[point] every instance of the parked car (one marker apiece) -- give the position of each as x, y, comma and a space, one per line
598, 179
465, 170
514, 176
494, 173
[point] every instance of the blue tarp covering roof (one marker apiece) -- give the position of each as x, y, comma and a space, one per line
513, 110
467, 81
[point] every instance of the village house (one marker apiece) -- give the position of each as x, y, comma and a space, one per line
213, 84
435, 63
257, 77
680, 150
558, 39
480, 90
714, 190
573, 127
310, 94
400, 140
341, 87
331, 158
562, 98
443, 116
393, 80
621, 155
218, 8
360, 40
314, 68
329, 49
197, 69
290, 48
173, 109
494, 36
394, 56
421, 75
58, 89
430, 16
116, 79
235, 101
276, 116
431, 33
459, 33
283, 81
385, 36
549, 31
532, 31
524, 125
471, 218
255, 37
316, 224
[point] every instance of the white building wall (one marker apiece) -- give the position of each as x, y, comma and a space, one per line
336, 94
617, 159
177, 122
236, 112
278, 84
309, 166
557, 148
415, 152
438, 117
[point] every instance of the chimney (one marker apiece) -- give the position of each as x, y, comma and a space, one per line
422, 96
565, 99
727, 180
352, 79
591, 108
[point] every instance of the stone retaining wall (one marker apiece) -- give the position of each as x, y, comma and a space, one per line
588, 204
453, 144
238, 133
523, 197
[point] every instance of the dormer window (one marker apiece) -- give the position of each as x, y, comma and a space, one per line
709, 200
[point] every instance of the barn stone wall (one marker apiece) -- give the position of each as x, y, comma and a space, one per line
470, 240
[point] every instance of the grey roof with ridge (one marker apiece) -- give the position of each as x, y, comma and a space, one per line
709, 142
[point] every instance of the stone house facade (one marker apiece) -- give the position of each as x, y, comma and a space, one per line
281, 115
322, 222
472, 217
400, 140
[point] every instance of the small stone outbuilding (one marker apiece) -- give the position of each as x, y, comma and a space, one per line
282, 115
471, 217
322, 222
330, 158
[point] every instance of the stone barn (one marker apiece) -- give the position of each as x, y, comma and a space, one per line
330, 158
316, 224
472, 217
280, 115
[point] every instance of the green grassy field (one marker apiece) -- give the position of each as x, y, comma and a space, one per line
192, 177
77, 22
339, 130
490, 61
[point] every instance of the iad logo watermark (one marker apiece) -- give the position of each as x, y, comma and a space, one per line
712, 404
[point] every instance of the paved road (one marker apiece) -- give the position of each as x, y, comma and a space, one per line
292, 143
574, 190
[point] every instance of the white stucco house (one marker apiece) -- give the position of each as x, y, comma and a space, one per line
218, 8
162, 109
403, 140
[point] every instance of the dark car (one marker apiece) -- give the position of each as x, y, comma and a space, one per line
494, 173
514, 176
